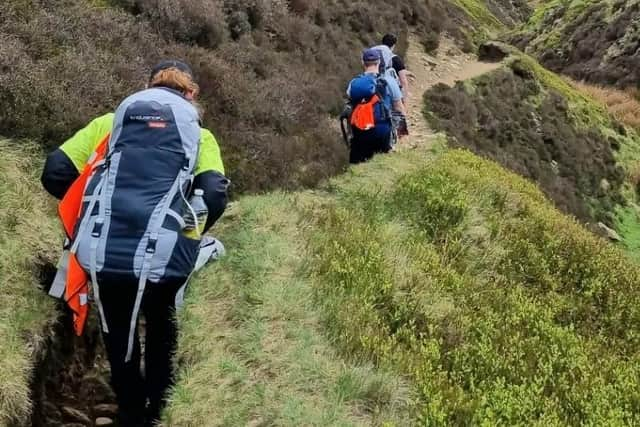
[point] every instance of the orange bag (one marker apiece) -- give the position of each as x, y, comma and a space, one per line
363, 115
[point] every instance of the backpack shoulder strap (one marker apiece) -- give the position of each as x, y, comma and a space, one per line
381, 85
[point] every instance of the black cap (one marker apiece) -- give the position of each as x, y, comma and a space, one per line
170, 63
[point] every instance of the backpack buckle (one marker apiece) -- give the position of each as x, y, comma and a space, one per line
151, 246
97, 228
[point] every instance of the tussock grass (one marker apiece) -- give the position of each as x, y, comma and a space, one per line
28, 235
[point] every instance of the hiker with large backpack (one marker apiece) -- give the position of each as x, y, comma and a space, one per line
138, 189
373, 97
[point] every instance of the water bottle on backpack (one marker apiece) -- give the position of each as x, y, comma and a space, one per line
194, 227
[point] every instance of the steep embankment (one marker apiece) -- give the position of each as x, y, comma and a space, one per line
596, 41
28, 232
538, 125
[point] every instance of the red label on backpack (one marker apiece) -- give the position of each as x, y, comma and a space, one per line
158, 125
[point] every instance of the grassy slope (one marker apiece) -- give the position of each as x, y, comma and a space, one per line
437, 267
253, 347
549, 34
26, 233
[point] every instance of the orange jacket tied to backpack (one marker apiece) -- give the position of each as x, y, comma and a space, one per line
71, 281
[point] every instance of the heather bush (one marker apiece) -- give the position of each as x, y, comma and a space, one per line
62, 64
436, 204
189, 21
541, 129
595, 41
272, 72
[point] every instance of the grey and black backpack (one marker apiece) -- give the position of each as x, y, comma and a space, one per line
131, 219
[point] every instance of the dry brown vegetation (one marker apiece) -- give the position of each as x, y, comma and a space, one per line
624, 105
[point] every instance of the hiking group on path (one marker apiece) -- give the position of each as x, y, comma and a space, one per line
375, 116
138, 190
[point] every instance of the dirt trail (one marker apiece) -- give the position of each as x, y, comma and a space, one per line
448, 66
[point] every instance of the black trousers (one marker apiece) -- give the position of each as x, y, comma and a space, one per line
365, 144
140, 397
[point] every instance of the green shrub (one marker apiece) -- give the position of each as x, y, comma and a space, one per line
435, 203
535, 324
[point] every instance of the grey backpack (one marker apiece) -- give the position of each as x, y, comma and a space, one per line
131, 219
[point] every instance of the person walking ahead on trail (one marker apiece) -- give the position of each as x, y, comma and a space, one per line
373, 97
395, 62
125, 181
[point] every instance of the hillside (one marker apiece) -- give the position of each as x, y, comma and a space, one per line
538, 125
543, 128
272, 71
427, 285
432, 286
440, 275
596, 41
454, 280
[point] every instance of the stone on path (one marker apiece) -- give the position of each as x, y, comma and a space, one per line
104, 422
105, 410
493, 51
609, 233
